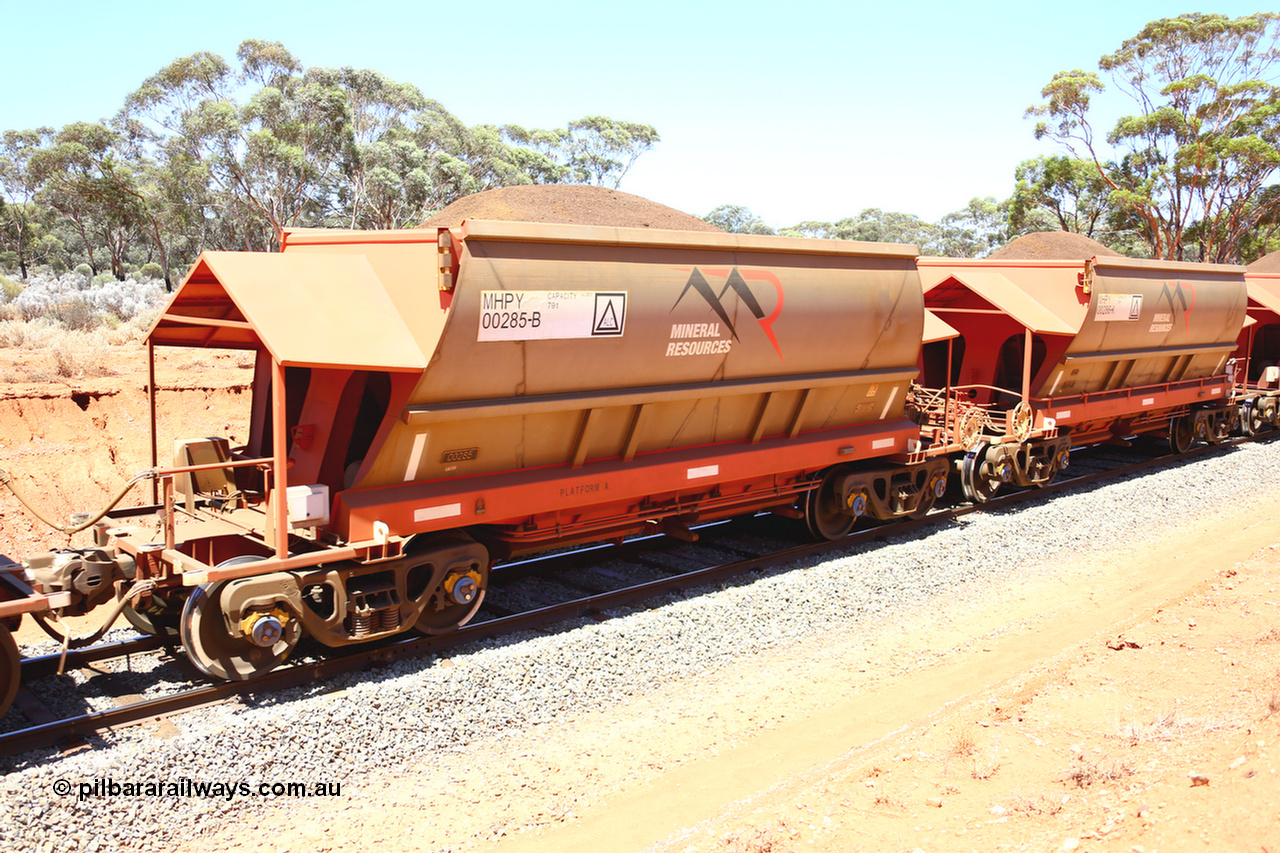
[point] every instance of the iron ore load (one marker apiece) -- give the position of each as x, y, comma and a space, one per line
430, 401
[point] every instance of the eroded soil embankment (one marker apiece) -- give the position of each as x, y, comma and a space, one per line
71, 449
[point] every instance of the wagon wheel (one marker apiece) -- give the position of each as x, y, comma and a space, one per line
455, 600
934, 490
216, 651
1217, 429
161, 618
969, 427
822, 511
1181, 434
1061, 459
979, 487
1252, 419
1023, 418
10, 669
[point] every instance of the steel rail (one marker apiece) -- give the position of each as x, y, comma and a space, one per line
361, 657
46, 665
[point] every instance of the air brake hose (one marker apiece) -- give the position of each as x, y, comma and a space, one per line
64, 637
7, 480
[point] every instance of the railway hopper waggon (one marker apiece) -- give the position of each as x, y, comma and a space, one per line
427, 401
1093, 350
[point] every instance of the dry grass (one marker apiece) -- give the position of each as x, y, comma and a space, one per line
1173, 725
1088, 771
45, 333
985, 769
67, 354
134, 330
1034, 804
197, 363
31, 334
17, 375
1272, 636
963, 743
81, 358
757, 839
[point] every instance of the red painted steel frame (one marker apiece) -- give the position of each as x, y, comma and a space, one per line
614, 490
1113, 406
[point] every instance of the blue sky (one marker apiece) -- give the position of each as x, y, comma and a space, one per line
807, 110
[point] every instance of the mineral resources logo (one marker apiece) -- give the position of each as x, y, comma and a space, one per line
707, 338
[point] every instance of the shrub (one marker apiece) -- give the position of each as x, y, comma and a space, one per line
151, 270
75, 302
10, 288
80, 357
126, 299
75, 314
135, 328
84, 270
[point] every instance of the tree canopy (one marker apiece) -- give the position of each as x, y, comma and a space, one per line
216, 154
1190, 167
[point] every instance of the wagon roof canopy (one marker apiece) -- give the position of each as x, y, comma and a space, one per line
937, 329
306, 310
1265, 290
1028, 306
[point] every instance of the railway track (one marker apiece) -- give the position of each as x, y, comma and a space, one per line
527, 595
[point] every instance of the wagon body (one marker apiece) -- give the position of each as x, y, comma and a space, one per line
599, 372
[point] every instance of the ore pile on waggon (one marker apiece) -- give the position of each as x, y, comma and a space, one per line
426, 402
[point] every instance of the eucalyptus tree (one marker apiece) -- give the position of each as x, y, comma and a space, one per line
86, 177
974, 231
382, 174
1192, 164
22, 227
272, 160
874, 225
602, 150
737, 219
595, 150
1069, 191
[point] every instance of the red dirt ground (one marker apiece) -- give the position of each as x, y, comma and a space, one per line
71, 444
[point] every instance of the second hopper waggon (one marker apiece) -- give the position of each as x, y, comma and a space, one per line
1091, 350
427, 401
